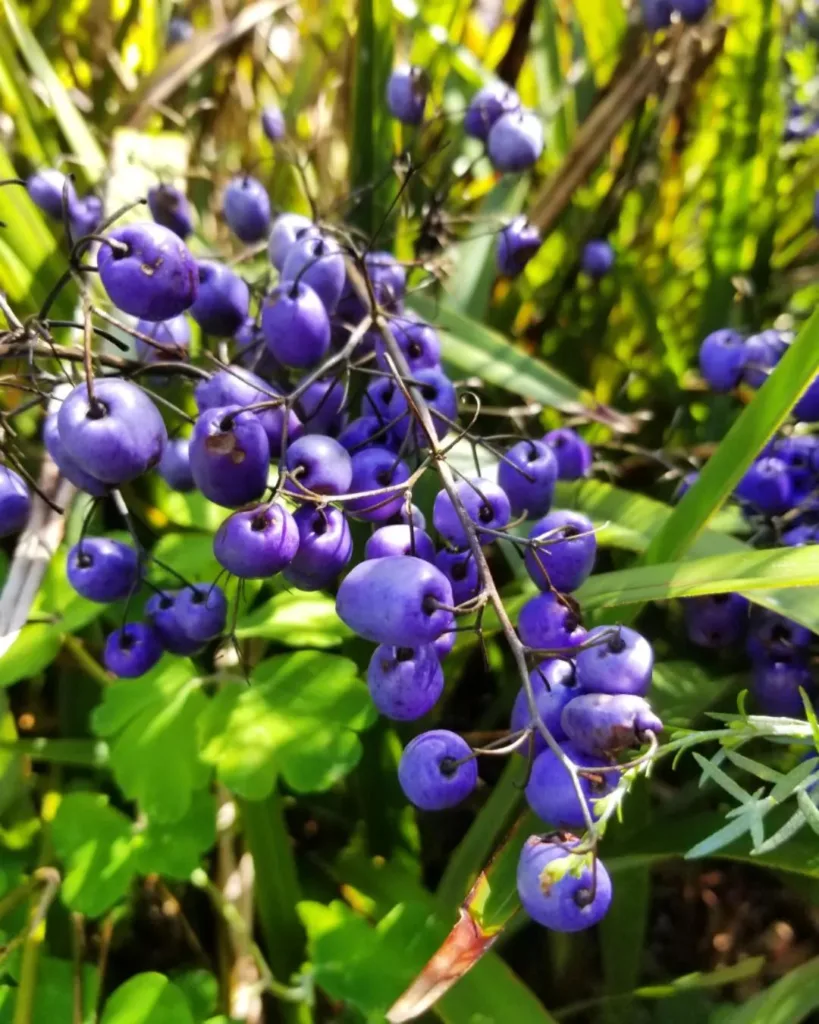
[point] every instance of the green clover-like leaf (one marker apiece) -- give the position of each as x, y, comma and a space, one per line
148, 998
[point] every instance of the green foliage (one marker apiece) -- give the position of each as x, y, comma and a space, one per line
147, 999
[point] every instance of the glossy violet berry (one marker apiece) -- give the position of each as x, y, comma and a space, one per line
258, 542
287, 228
801, 534
685, 485
767, 486
377, 398
132, 651
776, 683
364, 431
319, 464
148, 272
407, 90
691, 11
15, 502
325, 547
295, 325
561, 890
388, 279
46, 189
554, 686
85, 216
405, 682
317, 261
160, 611
460, 569
515, 141
321, 406
418, 340
762, 353
413, 515
103, 570
485, 503
486, 106
201, 611
722, 359
117, 437
230, 455
716, 621
69, 468
237, 386
398, 600
175, 465
400, 539
548, 623
377, 469
223, 301
437, 771
172, 338
574, 456
246, 208
656, 14
551, 794
273, 123
807, 408
179, 31
620, 662
565, 551
441, 398
169, 207
528, 474
601, 724
773, 637
517, 244
597, 258
444, 644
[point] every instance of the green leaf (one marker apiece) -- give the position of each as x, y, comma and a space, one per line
31, 653
201, 990
189, 554
176, 851
148, 998
296, 619
681, 691
300, 717
54, 993
470, 349
788, 1001
191, 510
150, 724
371, 148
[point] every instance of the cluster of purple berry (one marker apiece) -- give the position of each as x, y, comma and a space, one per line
55, 195
332, 405
658, 14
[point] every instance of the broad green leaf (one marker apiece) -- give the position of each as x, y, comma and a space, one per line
189, 554
192, 510
789, 1000
201, 990
176, 850
150, 725
299, 717
472, 350
681, 691
54, 993
32, 652
148, 998
296, 619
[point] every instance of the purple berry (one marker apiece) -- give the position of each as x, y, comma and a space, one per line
515, 141
691, 11
160, 610
597, 258
622, 663
762, 353
117, 438
405, 682
429, 772
412, 514
554, 686
771, 636
767, 486
201, 612
486, 106
154, 277
229, 455
132, 651
170, 208
800, 454
550, 791
601, 724
325, 547
376, 469
561, 890
399, 539
321, 406
396, 600
317, 261
319, 464
775, 684
418, 341
565, 554
246, 208
287, 228
69, 468
295, 325
172, 335
722, 359
574, 456
528, 475
807, 408
716, 621
444, 644
442, 401
517, 244
85, 216
237, 386
15, 502
223, 300
175, 465
656, 14
362, 432
460, 569
273, 123
377, 398
407, 91
388, 279
548, 623
179, 31
485, 503
45, 189
103, 570
258, 542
